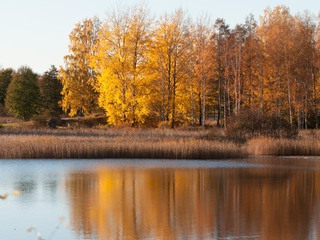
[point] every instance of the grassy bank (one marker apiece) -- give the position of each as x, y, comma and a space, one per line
307, 143
284, 147
146, 143
123, 143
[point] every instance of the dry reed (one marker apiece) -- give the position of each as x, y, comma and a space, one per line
284, 147
154, 144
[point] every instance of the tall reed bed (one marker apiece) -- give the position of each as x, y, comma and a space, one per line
284, 147
155, 144
135, 133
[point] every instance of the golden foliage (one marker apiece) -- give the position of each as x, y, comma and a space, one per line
77, 77
177, 71
122, 62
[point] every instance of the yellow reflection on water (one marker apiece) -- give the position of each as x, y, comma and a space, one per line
134, 203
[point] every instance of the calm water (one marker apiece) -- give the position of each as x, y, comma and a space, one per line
265, 198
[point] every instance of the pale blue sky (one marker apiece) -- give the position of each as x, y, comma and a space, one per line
35, 32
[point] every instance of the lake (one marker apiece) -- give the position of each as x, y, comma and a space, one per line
258, 198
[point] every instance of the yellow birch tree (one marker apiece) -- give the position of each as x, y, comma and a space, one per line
77, 77
172, 55
122, 62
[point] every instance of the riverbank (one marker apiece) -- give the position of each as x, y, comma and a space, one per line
115, 143
146, 143
302, 146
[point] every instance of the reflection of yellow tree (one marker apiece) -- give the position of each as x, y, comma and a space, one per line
116, 205
81, 187
148, 203
177, 203
201, 203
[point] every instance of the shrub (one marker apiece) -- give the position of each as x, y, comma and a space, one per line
40, 120
3, 111
54, 122
164, 124
251, 123
81, 122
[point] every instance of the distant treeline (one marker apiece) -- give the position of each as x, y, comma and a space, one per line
26, 95
172, 70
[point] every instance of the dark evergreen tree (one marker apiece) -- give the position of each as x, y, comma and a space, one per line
5, 79
50, 88
23, 94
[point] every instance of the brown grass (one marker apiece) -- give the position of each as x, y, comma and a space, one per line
146, 143
8, 120
307, 144
132, 143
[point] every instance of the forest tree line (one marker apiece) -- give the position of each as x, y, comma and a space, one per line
172, 70
27, 95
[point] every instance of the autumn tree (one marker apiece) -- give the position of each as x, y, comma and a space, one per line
290, 66
50, 88
316, 74
235, 68
221, 36
304, 72
172, 58
277, 29
252, 67
204, 66
122, 61
77, 77
244, 67
175, 71
23, 94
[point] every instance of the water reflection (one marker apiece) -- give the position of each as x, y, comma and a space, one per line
26, 185
197, 203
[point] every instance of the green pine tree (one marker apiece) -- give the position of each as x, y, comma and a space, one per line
50, 88
5, 79
23, 94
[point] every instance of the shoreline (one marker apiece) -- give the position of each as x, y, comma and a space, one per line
114, 143
204, 144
